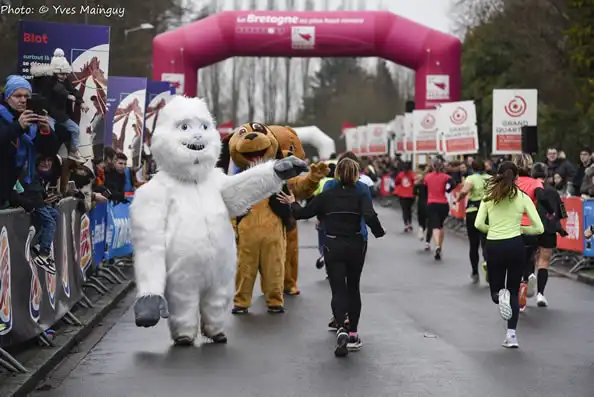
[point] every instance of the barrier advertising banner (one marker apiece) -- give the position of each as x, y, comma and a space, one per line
425, 131
98, 226
158, 94
118, 238
457, 124
587, 227
377, 138
512, 109
31, 300
125, 117
574, 241
86, 48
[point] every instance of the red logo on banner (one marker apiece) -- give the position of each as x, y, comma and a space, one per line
35, 38
459, 116
428, 122
516, 107
378, 131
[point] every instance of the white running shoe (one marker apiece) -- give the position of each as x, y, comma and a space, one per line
531, 286
541, 301
504, 306
510, 342
421, 234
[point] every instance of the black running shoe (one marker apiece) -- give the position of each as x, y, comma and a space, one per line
354, 344
437, 254
342, 340
320, 262
276, 309
239, 310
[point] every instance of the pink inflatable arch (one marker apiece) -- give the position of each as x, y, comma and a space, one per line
435, 56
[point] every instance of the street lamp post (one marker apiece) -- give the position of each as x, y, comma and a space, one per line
142, 26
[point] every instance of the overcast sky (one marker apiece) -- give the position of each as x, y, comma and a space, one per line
433, 13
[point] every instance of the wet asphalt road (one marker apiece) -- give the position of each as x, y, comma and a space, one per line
427, 331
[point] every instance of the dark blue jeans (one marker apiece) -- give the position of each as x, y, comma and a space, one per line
48, 217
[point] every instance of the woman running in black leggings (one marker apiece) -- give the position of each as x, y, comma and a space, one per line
421, 194
341, 209
504, 204
474, 189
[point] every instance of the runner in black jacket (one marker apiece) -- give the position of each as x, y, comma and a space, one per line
341, 209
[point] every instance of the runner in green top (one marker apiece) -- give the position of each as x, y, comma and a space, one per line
504, 204
474, 188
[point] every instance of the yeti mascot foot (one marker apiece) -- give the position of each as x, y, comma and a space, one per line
185, 253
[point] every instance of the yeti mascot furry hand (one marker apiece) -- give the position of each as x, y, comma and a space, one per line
185, 253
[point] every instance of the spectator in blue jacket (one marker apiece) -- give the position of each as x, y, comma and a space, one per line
23, 134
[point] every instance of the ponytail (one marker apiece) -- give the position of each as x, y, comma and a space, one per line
503, 185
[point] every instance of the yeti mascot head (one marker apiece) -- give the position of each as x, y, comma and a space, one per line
186, 143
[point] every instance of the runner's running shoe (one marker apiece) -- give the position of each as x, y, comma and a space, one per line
510, 342
355, 343
437, 255
342, 340
531, 285
427, 246
505, 309
320, 262
474, 278
541, 301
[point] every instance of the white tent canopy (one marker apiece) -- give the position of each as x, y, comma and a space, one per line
315, 137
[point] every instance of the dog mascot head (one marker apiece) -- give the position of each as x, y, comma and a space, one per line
288, 141
248, 145
186, 143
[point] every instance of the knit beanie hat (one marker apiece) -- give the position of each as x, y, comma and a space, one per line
13, 83
59, 63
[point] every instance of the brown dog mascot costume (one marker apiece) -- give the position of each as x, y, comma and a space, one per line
303, 187
261, 240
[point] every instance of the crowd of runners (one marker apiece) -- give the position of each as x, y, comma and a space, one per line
513, 216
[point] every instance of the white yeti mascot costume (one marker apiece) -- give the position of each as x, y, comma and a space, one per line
184, 244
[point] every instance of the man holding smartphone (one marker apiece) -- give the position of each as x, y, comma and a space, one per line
23, 134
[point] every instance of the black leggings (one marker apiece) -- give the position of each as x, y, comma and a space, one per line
506, 259
407, 203
530, 247
422, 219
476, 240
344, 258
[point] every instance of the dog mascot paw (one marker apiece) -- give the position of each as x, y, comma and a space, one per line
303, 187
185, 253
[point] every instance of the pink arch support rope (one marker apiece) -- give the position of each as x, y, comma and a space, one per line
435, 56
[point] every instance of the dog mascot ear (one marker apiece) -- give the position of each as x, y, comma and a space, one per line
225, 159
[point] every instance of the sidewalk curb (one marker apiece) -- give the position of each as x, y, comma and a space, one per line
587, 278
21, 384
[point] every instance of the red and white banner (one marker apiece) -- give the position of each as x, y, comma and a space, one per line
351, 139
377, 139
363, 140
177, 81
408, 132
512, 109
457, 124
425, 131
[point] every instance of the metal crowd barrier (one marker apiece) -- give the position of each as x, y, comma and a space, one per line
85, 257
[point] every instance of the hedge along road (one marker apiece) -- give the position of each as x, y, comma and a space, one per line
427, 331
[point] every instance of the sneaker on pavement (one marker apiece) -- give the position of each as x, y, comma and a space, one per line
427, 246
342, 340
437, 255
320, 262
474, 278
505, 309
355, 343
541, 301
510, 342
531, 285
